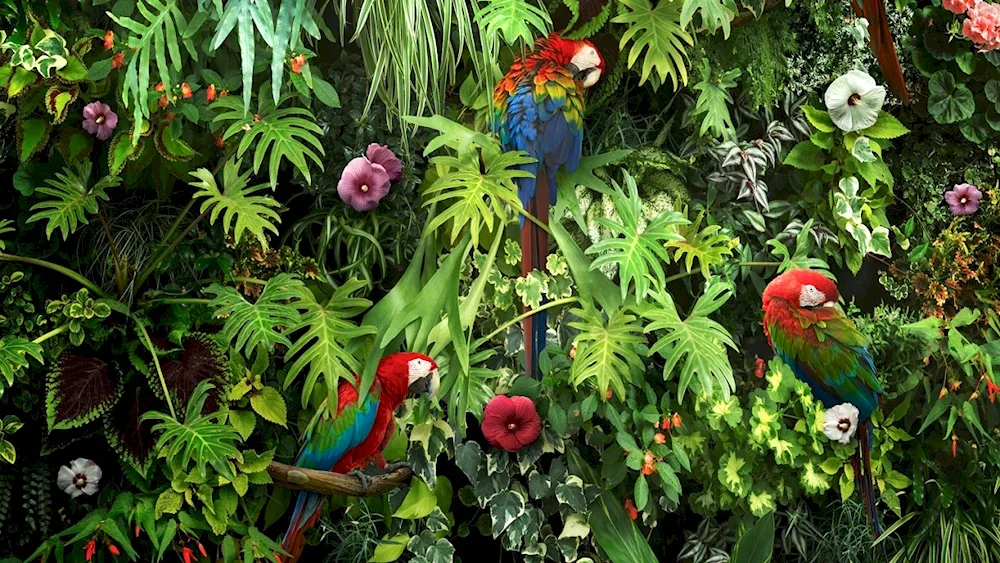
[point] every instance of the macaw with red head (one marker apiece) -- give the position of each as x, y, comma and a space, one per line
538, 108
811, 334
355, 436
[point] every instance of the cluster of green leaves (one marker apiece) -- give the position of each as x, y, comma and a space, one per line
964, 84
843, 161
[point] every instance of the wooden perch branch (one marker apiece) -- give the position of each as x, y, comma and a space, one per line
329, 483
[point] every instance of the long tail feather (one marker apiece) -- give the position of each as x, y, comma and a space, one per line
534, 251
863, 475
307, 510
883, 46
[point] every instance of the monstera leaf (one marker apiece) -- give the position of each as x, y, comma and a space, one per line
78, 390
657, 31
126, 432
73, 198
606, 350
249, 325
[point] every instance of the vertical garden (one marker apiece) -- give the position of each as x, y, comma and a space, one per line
482, 280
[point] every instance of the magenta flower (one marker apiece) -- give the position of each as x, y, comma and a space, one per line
363, 184
380, 154
963, 199
98, 119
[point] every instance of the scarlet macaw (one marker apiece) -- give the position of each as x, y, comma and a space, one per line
810, 333
356, 435
538, 108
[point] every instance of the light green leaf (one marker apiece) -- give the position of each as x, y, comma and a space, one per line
606, 351
74, 199
250, 325
269, 404
659, 32
715, 14
252, 213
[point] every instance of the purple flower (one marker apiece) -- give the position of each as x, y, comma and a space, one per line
380, 154
963, 199
98, 119
363, 184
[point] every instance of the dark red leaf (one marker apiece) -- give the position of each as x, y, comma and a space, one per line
200, 359
79, 390
126, 434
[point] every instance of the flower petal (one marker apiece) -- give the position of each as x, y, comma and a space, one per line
90, 488
65, 478
92, 471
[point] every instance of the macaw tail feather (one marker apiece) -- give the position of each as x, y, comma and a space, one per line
882, 45
308, 507
534, 251
863, 475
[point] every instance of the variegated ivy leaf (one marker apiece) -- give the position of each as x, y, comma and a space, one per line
530, 288
571, 494
734, 473
813, 479
863, 150
764, 421
761, 501
785, 446
524, 530
507, 507
727, 410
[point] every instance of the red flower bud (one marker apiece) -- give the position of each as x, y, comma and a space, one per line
90, 548
163, 102
954, 445
136, 530
944, 391
630, 508
607, 394
113, 550
210, 93
201, 549
219, 142
759, 369
118, 60
187, 553
677, 420
109, 40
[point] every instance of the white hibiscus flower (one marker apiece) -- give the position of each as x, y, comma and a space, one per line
81, 477
854, 101
841, 422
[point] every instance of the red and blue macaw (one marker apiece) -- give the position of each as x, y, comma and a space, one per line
810, 333
538, 108
356, 435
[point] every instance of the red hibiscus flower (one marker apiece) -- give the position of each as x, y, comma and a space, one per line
511, 423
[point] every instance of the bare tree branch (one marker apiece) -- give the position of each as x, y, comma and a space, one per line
329, 483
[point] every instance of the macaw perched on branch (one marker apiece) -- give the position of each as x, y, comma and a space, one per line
882, 44
356, 435
538, 108
811, 334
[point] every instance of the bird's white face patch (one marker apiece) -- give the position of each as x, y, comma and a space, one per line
588, 58
809, 296
418, 369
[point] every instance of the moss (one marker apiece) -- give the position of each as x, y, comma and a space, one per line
761, 49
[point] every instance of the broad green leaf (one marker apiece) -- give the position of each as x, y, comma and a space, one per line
659, 32
707, 245
615, 532
886, 127
325, 92
756, 544
418, 503
32, 135
249, 325
806, 156
606, 350
714, 98
390, 549
949, 102
819, 119
14, 353
269, 404
74, 199
715, 14
253, 214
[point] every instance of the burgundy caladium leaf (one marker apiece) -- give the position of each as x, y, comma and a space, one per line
127, 434
199, 359
79, 389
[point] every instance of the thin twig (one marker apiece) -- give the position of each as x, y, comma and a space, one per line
329, 483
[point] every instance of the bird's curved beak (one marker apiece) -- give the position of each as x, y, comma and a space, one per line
428, 384
829, 304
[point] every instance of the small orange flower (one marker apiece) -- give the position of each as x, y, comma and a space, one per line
648, 470
210, 93
118, 60
109, 40
607, 394
223, 93
185, 90
630, 508
759, 368
201, 549
954, 384
90, 548
944, 391
113, 550
648, 458
659, 438
677, 420
297, 63
163, 101
219, 142
159, 86
666, 424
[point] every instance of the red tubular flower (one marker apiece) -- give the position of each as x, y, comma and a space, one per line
210, 93
758, 371
630, 508
185, 90
511, 423
118, 60
109, 40
188, 554
90, 548
992, 389
201, 549
113, 550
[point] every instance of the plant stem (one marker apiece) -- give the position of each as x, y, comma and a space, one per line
56, 268
526, 314
119, 276
156, 362
536, 221
758, 264
676, 277
52, 333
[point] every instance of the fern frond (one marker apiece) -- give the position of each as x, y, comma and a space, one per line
657, 31
252, 213
286, 133
152, 41
322, 348
606, 351
698, 340
249, 325
637, 249
708, 245
204, 439
591, 24
75, 199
